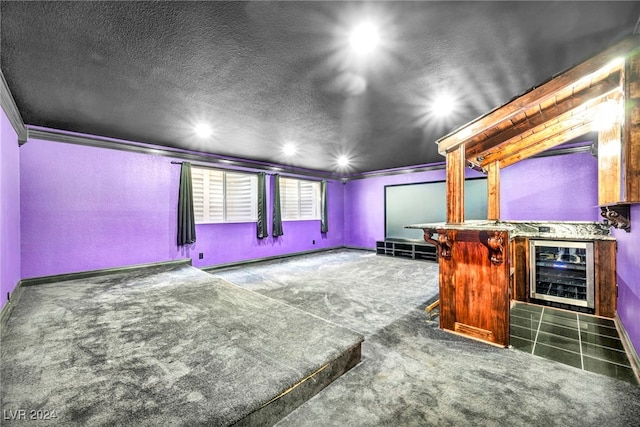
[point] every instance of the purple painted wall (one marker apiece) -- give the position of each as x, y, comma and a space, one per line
561, 188
86, 208
223, 243
546, 188
364, 204
555, 188
9, 208
628, 271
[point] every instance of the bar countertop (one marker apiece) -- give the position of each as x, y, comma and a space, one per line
575, 230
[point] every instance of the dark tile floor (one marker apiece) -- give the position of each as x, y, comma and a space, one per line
580, 340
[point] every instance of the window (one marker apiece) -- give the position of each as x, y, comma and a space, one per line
299, 199
221, 196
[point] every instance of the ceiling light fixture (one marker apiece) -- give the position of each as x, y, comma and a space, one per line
343, 161
289, 149
364, 38
443, 105
203, 130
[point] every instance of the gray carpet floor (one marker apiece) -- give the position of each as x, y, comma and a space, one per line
413, 373
156, 347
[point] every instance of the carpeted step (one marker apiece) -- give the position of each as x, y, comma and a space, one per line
165, 346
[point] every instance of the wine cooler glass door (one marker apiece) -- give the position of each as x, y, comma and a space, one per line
562, 271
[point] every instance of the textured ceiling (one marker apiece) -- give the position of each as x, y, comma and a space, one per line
263, 74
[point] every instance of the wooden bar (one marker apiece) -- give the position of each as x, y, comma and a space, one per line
484, 264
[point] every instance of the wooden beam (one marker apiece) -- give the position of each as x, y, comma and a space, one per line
566, 121
455, 185
539, 94
546, 144
493, 191
599, 90
554, 128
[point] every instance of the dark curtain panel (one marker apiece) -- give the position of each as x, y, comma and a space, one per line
277, 215
324, 214
262, 206
186, 221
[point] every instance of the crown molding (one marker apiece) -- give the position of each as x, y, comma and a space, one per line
398, 171
229, 163
225, 162
11, 110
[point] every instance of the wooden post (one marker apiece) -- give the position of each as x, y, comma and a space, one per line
631, 137
604, 253
609, 165
455, 185
493, 191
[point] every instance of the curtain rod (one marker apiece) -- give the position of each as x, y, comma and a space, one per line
213, 167
284, 173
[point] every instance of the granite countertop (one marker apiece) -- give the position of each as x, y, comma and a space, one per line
574, 230
467, 225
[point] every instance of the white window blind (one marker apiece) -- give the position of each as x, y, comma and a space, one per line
221, 196
241, 197
289, 198
299, 199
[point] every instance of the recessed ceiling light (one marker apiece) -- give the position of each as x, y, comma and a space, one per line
443, 105
289, 149
343, 161
203, 130
364, 38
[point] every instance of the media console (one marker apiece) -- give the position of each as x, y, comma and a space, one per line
407, 248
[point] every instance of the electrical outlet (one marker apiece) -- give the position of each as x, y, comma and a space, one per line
200, 255
313, 242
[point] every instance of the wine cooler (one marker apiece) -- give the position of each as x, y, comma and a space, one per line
562, 272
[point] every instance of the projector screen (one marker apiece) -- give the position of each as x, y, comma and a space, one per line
425, 203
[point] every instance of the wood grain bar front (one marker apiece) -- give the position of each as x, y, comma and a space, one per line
520, 261
605, 278
474, 288
474, 332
